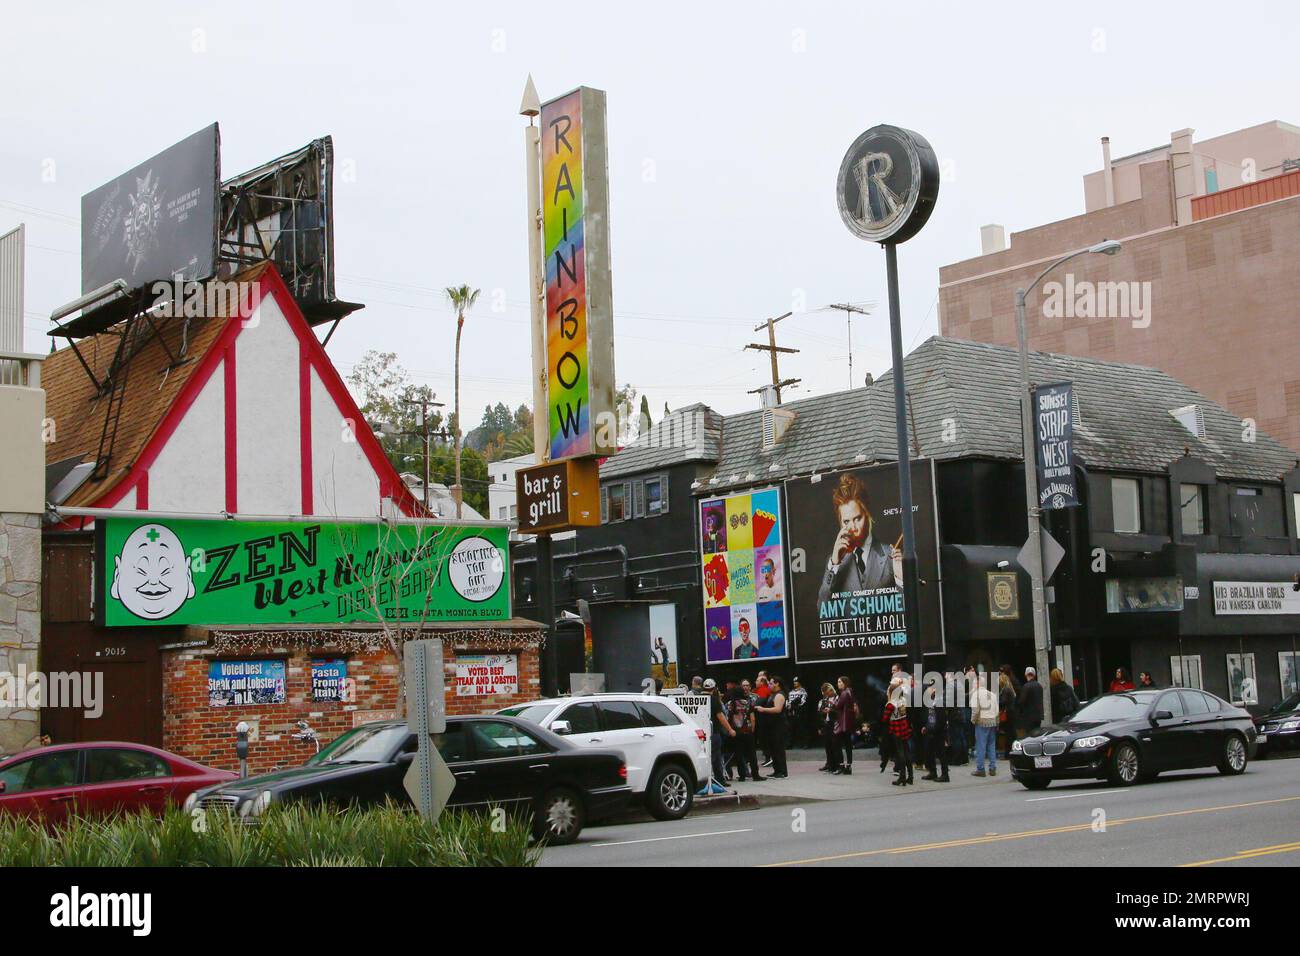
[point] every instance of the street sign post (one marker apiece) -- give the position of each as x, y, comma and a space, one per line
886, 189
428, 780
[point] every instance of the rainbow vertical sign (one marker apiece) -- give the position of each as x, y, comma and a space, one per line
579, 301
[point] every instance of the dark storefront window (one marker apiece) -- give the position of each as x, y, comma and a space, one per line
1126, 505
1192, 506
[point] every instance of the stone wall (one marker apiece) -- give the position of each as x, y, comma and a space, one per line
20, 625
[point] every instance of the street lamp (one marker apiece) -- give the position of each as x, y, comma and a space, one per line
1107, 247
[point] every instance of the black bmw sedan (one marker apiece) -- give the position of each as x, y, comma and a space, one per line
497, 761
1130, 737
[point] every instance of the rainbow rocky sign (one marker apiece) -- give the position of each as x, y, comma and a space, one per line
579, 301
211, 573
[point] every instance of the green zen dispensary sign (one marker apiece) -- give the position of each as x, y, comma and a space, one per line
210, 573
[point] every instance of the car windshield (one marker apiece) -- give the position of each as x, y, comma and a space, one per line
533, 713
1114, 707
1291, 703
371, 744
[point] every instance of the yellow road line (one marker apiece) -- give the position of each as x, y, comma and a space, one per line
1024, 834
1248, 854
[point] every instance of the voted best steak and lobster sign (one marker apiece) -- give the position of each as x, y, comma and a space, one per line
175, 572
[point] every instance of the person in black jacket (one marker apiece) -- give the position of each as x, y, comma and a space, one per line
1064, 701
934, 734
1029, 706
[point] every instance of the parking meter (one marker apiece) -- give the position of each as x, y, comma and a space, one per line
241, 747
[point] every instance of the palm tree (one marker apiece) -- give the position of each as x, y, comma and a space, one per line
462, 299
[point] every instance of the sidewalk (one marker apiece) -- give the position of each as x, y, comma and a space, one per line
807, 783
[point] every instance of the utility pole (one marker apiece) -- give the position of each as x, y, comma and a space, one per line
848, 308
771, 347
422, 423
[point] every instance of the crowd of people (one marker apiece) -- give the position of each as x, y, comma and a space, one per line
756, 723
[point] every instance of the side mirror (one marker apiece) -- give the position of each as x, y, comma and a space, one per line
561, 727
404, 759
1160, 715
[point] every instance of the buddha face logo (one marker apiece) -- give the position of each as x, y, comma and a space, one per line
151, 577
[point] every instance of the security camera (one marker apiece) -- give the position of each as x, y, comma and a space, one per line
1004, 564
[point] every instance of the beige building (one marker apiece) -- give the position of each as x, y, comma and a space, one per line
1206, 287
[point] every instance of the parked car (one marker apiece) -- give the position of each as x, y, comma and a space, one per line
497, 761
667, 754
1131, 736
94, 779
1279, 729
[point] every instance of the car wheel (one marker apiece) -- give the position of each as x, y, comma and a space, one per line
559, 817
1234, 755
1035, 783
670, 794
1125, 765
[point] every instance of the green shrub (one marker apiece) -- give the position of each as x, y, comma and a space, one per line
285, 836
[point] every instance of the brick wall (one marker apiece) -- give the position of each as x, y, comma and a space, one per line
193, 728
1222, 312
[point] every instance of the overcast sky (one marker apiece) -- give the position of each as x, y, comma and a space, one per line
727, 124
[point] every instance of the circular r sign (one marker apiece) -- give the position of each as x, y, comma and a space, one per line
888, 184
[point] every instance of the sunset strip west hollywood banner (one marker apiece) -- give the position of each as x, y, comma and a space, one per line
173, 572
579, 300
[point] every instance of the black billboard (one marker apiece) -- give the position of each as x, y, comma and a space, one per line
156, 220
845, 536
1054, 446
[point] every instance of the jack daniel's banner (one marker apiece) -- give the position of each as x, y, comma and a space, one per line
1054, 446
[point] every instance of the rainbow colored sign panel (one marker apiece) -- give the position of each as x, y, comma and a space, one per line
743, 567
579, 302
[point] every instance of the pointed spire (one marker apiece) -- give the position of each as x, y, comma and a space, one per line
530, 105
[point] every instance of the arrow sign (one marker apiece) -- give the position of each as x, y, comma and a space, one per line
1052, 555
441, 782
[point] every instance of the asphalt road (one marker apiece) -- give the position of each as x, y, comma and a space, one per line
1189, 818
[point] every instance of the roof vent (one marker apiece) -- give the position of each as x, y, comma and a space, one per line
776, 421
1192, 418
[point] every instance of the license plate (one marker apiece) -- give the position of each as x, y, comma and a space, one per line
1042, 763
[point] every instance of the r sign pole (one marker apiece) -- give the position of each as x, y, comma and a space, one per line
886, 189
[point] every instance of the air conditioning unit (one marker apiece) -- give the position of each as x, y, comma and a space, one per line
775, 423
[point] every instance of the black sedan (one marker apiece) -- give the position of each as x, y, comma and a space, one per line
497, 761
1131, 737
1279, 729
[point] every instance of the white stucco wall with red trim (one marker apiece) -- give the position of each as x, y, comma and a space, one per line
265, 426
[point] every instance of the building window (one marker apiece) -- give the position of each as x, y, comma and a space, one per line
1126, 505
1185, 671
1288, 667
501, 512
1242, 688
616, 502
1245, 511
1295, 508
656, 495
514, 511
1192, 498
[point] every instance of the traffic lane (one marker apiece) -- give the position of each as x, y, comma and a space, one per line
899, 825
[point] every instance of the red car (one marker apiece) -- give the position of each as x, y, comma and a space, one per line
93, 779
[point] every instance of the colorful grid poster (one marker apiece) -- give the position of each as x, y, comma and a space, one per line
742, 567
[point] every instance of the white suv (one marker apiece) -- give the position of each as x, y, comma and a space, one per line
667, 755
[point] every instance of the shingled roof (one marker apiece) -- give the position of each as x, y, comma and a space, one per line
78, 410
964, 403
692, 433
